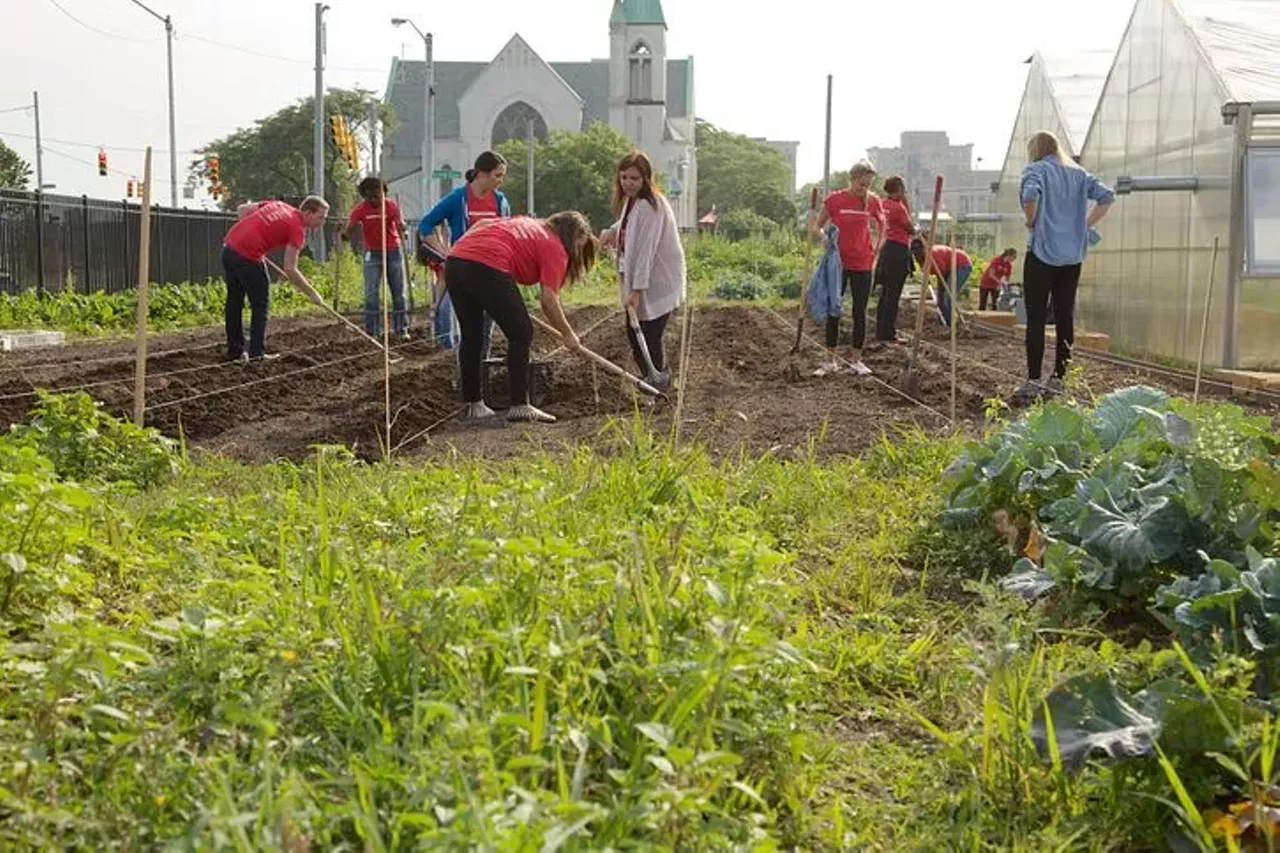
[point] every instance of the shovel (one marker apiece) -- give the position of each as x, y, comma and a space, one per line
908, 381
310, 293
652, 375
808, 270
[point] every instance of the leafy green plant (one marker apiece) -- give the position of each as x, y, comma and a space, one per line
85, 443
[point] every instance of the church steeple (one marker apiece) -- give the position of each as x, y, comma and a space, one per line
635, 12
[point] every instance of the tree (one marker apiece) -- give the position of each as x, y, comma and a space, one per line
572, 171
735, 171
273, 159
15, 173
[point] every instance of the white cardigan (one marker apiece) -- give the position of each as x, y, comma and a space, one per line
652, 261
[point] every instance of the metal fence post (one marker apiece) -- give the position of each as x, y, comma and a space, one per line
39, 242
84, 218
128, 244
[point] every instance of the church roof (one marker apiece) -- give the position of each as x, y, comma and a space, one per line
589, 79
637, 12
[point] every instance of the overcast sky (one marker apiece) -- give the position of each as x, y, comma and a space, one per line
760, 68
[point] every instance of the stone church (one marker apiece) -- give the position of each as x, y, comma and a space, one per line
637, 91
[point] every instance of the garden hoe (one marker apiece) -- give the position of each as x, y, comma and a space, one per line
908, 381
603, 362
310, 293
652, 375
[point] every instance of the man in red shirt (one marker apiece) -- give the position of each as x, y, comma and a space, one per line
380, 238
855, 212
995, 277
263, 227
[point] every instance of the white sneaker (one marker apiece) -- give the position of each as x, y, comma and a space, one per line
859, 368
529, 414
827, 369
478, 411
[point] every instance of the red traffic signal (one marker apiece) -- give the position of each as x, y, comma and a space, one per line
213, 170
128, 193
102, 162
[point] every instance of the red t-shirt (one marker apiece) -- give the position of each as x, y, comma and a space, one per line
271, 226
368, 215
898, 225
478, 209
999, 269
852, 216
942, 259
522, 247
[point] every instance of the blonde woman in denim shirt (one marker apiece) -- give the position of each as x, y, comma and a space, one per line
1055, 197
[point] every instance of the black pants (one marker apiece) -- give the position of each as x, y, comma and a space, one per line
982, 299
860, 284
891, 271
476, 290
245, 278
1039, 282
653, 331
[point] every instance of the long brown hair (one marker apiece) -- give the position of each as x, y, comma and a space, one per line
1042, 144
649, 191
574, 232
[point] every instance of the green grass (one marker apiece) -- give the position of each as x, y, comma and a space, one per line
630, 646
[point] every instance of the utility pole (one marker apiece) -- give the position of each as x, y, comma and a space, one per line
529, 167
429, 137
826, 155
318, 165
35, 103
173, 144
373, 138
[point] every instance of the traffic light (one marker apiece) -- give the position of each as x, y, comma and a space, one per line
213, 169
102, 162
128, 193
345, 142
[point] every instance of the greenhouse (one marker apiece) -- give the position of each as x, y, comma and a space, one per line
1186, 126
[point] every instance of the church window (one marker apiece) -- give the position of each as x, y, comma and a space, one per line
513, 123
641, 71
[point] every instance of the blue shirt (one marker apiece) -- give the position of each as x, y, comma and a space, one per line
1059, 235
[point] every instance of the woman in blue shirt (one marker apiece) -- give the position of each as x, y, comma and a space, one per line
1055, 197
476, 201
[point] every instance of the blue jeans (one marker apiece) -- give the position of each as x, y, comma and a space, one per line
373, 292
944, 295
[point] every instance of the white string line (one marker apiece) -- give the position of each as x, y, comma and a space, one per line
871, 376
1137, 365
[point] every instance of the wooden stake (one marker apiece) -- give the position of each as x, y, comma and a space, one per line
1204, 322
386, 325
955, 314
144, 274
601, 361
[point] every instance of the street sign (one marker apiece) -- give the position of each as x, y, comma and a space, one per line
451, 174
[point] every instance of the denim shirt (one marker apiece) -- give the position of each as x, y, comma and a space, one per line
1059, 236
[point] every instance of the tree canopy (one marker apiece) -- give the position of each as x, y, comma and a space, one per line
735, 171
15, 173
273, 159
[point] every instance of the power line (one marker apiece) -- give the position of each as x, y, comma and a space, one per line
16, 109
95, 145
94, 29
276, 56
155, 179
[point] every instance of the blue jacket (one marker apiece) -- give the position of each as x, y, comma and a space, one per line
1059, 237
453, 209
824, 288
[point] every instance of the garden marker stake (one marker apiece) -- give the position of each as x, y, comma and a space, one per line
602, 362
955, 314
1204, 322
808, 269
310, 293
144, 275
908, 382
386, 322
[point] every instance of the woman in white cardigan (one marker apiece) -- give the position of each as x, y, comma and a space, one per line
651, 267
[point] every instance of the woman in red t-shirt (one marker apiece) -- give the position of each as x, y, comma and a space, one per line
481, 275
894, 264
379, 237
855, 212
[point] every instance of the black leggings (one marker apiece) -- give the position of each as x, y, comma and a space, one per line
982, 299
652, 331
891, 271
476, 290
1040, 281
245, 278
860, 284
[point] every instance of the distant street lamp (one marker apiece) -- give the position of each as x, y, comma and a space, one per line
429, 114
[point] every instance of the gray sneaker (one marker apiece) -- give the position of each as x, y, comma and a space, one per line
1053, 386
1029, 392
527, 413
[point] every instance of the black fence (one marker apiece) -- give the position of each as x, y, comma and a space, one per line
51, 243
